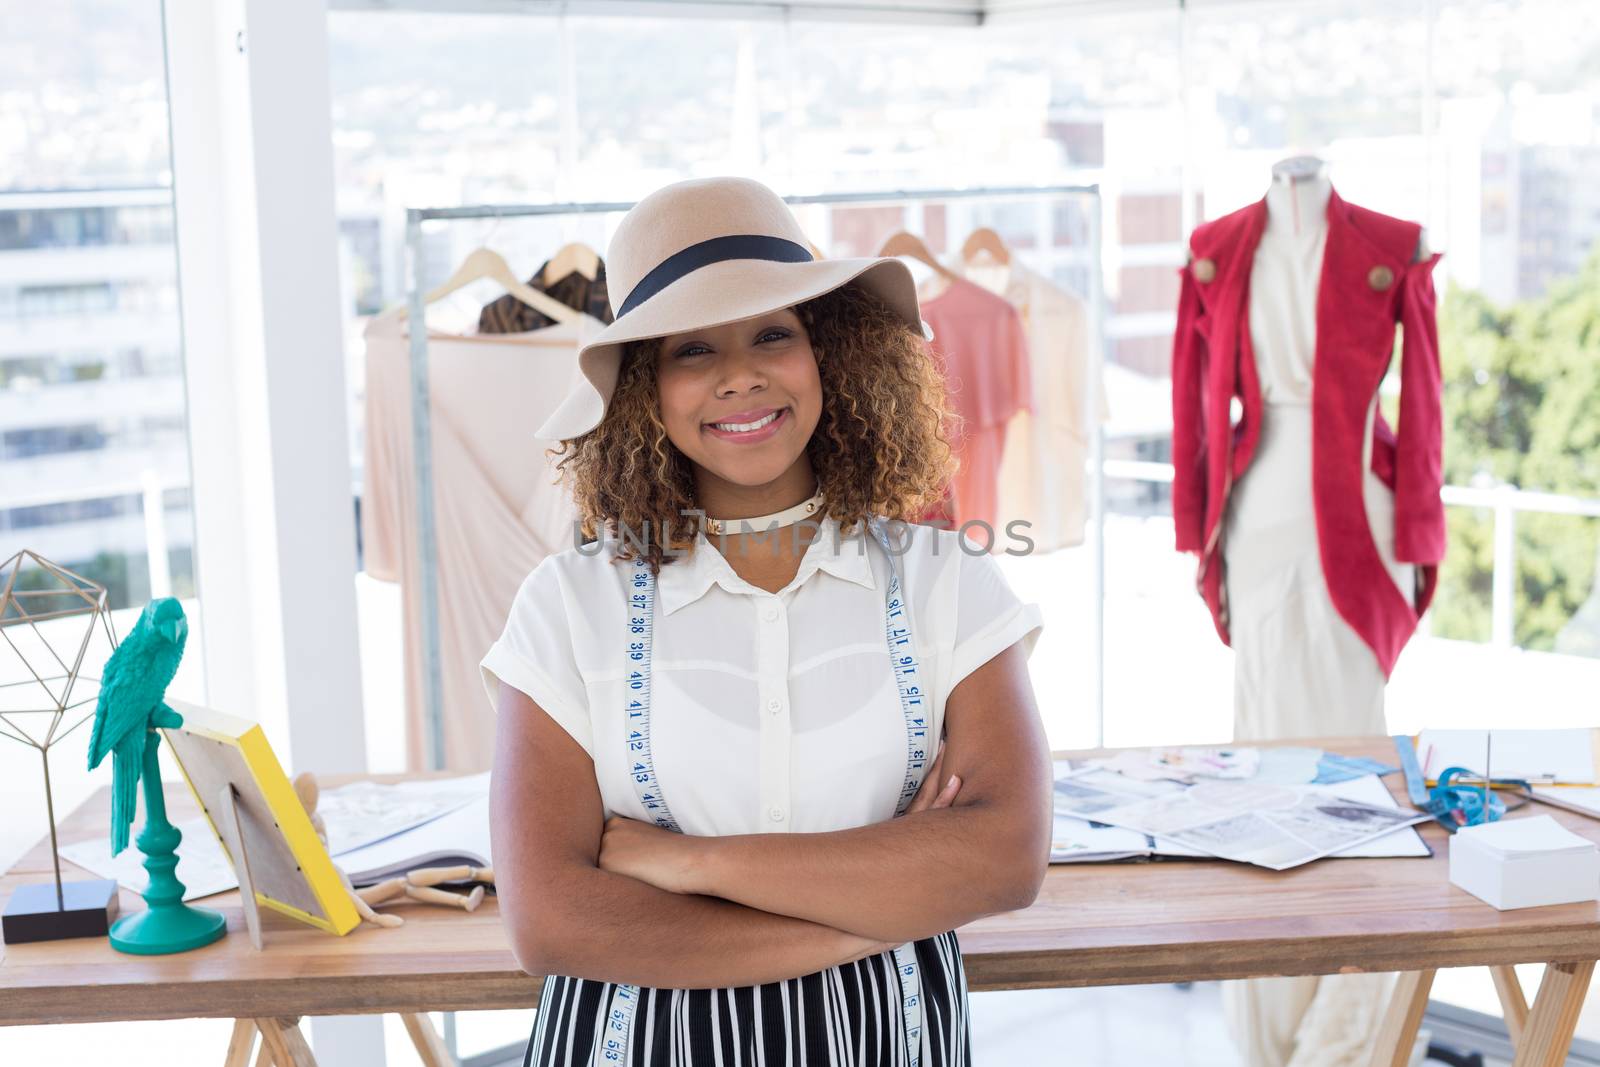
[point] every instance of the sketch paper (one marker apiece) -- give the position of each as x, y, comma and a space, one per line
203, 867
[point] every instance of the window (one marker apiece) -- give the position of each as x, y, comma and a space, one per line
91, 381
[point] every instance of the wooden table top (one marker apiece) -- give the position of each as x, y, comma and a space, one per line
1093, 924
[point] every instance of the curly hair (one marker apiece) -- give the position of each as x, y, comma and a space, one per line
881, 446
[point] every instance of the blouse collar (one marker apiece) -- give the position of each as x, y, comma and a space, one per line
687, 578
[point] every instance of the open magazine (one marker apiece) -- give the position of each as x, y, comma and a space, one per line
1103, 815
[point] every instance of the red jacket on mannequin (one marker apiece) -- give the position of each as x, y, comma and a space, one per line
1371, 280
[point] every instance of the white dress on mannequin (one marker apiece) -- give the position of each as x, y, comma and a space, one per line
1300, 670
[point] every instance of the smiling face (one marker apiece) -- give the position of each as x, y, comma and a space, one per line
741, 401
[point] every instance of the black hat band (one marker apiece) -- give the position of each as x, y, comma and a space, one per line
717, 249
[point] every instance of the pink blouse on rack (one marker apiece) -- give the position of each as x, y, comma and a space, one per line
981, 346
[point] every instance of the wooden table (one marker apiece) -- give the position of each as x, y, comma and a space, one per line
1109, 924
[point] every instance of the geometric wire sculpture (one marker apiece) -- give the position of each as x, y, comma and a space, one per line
53, 686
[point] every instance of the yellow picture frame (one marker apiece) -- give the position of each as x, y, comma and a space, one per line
290, 868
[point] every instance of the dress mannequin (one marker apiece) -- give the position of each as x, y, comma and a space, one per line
1299, 669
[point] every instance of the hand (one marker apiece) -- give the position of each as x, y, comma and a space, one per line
644, 851
931, 794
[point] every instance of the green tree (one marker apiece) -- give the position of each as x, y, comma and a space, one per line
1521, 407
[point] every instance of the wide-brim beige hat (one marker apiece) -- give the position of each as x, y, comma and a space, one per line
703, 253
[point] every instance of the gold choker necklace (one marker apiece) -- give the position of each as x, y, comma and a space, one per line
759, 523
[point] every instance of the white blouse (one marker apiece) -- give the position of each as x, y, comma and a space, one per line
770, 712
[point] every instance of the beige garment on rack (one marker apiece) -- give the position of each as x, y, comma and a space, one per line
498, 510
1043, 473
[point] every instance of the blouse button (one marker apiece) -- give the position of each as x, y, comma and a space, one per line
774, 706
776, 814
770, 614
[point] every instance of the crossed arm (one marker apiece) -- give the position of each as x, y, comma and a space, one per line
620, 900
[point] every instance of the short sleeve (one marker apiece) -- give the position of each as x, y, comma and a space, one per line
990, 617
534, 654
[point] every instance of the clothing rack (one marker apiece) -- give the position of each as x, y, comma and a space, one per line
422, 427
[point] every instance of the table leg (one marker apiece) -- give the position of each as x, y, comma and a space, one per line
1397, 1034
288, 1044
1547, 1035
430, 1046
1513, 1004
264, 1056
240, 1044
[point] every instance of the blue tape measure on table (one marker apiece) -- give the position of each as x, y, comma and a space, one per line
613, 1046
1452, 806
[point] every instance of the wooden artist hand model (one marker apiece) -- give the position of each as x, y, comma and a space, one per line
413, 885
418, 885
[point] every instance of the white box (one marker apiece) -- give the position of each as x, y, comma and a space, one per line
1525, 863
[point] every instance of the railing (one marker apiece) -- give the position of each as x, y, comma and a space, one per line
150, 488
1505, 501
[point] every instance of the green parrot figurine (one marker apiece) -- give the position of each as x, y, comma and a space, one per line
130, 706
130, 710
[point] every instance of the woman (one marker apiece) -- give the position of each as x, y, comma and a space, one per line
710, 720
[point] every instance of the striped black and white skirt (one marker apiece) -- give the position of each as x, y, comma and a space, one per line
846, 1016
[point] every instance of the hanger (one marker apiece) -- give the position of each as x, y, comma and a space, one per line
983, 239
576, 256
487, 263
909, 244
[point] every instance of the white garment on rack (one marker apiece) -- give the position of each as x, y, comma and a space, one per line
498, 510
1300, 670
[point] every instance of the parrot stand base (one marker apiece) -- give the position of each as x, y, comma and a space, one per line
167, 924
164, 928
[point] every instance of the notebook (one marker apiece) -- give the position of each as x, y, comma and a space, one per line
462, 836
1545, 756
1584, 801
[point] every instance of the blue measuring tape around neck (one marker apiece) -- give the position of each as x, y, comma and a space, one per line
613, 1046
